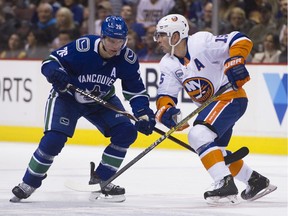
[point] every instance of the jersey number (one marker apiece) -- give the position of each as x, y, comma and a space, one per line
222, 38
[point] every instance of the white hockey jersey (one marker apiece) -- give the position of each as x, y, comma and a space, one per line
201, 72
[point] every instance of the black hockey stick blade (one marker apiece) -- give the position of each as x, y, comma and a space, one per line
237, 155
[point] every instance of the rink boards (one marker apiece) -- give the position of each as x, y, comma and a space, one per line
23, 92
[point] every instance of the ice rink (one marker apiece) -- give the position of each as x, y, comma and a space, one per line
162, 183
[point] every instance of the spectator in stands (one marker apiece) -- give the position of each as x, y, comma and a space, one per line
258, 32
151, 51
65, 22
129, 17
150, 11
103, 9
132, 40
76, 9
195, 10
225, 6
84, 26
64, 37
35, 3
8, 24
204, 22
284, 44
15, 48
271, 51
180, 7
116, 7
236, 21
47, 22
282, 21
36, 46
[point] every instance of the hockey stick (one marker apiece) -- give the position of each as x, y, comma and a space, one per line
97, 187
228, 159
125, 113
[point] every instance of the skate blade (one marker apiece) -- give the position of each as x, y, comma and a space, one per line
15, 199
100, 197
222, 201
264, 192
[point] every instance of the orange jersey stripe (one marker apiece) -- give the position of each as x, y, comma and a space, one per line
215, 112
213, 157
240, 93
241, 48
236, 167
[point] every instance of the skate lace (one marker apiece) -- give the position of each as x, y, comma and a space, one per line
217, 184
110, 186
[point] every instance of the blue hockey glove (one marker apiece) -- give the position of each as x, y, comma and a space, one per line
236, 71
170, 116
146, 121
59, 79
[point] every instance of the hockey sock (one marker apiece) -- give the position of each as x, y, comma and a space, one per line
213, 161
37, 168
122, 136
244, 174
50, 145
111, 160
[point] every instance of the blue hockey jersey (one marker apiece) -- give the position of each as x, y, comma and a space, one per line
89, 71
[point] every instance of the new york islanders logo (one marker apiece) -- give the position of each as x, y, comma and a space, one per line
199, 89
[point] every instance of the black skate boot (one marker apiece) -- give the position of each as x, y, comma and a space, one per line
225, 190
258, 186
22, 191
110, 192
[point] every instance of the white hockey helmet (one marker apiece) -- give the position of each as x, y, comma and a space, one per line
170, 24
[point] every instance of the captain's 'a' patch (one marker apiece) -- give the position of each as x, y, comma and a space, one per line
130, 56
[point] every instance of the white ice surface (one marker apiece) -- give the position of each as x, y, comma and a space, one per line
162, 183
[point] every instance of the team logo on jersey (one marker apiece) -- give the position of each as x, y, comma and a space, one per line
130, 56
62, 52
179, 73
83, 44
199, 89
64, 121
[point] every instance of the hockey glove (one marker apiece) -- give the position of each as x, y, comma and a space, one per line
170, 116
59, 79
146, 121
236, 71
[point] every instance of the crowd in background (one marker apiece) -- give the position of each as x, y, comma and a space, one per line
31, 29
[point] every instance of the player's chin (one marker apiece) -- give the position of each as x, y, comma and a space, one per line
164, 50
112, 53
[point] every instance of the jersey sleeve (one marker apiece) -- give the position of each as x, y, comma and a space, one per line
220, 47
169, 86
240, 45
133, 87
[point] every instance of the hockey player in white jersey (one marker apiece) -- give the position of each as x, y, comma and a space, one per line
201, 64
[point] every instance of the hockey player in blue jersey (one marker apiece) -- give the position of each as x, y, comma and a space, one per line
92, 63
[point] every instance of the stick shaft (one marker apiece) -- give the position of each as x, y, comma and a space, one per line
127, 114
167, 134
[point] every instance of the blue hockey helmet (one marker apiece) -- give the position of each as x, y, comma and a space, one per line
114, 27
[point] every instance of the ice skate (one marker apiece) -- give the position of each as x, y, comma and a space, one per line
224, 192
258, 186
22, 191
110, 193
